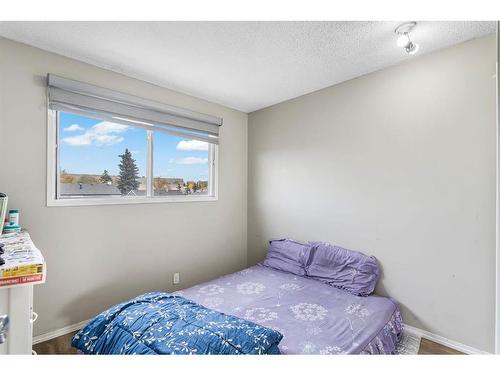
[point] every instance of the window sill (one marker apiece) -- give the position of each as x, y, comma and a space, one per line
120, 201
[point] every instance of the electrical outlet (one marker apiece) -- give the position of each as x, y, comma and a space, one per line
176, 278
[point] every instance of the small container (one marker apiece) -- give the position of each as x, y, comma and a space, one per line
14, 217
8, 229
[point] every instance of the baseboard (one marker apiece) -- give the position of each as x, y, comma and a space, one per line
59, 332
410, 329
443, 340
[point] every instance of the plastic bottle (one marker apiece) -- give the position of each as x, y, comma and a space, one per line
14, 217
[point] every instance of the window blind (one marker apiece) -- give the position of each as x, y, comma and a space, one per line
94, 101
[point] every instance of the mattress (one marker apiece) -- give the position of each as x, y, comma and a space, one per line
313, 317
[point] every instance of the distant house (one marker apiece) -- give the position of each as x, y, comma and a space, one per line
173, 187
142, 183
80, 190
167, 183
168, 192
75, 190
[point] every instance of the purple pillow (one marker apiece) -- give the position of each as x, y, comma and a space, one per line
349, 270
288, 255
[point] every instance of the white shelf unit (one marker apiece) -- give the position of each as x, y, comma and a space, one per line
17, 303
16, 291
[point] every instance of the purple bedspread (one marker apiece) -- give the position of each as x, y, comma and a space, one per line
313, 317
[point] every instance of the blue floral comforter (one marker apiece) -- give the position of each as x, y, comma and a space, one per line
162, 323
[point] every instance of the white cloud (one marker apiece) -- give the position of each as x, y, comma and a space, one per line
73, 128
101, 134
106, 127
192, 145
191, 160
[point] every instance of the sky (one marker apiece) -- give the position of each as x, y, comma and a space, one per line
90, 146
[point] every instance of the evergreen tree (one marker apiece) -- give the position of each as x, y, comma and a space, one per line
129, 173
105, 177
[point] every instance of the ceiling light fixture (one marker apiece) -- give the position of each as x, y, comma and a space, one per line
403, 32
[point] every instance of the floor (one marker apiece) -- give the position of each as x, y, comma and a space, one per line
59, 345
62, 345
430, 347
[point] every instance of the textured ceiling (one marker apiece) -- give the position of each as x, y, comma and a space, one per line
242, 65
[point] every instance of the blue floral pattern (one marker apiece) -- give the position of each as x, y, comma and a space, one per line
163, 323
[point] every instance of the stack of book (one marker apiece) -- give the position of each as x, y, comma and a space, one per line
24, 263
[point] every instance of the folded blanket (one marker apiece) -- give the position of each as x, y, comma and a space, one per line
163, 323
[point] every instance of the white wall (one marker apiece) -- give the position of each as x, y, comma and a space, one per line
101, 255
399, 164
497, 309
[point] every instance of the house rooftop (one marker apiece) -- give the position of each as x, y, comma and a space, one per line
88, 189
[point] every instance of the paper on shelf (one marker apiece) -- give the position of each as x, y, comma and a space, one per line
24, 263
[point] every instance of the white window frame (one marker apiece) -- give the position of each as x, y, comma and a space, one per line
53, 175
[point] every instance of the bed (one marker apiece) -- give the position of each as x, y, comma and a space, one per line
305, 298
313, 317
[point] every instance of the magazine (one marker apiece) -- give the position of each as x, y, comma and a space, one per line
24, 263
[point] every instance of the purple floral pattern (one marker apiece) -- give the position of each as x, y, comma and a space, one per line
314, 318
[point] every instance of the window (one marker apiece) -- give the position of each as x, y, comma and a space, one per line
103, 156
100, 159
181, 166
